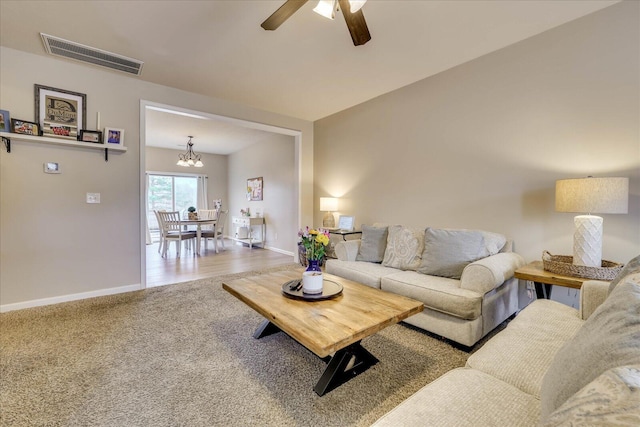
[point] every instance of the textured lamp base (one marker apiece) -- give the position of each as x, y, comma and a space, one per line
328, 221
587, 241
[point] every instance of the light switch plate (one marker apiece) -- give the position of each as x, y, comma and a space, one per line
51, 167
93, 197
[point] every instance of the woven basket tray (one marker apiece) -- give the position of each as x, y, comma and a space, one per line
561, 264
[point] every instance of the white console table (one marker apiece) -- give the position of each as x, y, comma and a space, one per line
250, 222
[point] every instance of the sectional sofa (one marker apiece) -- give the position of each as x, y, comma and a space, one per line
463, 277
551, 366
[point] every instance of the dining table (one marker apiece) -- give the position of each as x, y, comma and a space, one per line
198, 223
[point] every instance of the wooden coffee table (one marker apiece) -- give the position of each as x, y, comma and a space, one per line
331, 328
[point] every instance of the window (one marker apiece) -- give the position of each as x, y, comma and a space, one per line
170, 193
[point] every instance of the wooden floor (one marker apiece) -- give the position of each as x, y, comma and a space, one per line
234, 259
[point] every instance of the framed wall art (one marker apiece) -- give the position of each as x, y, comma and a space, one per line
24, 127
114, 137
5, 122
94, 136
254, 189
60, 113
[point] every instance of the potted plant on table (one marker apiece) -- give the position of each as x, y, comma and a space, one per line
315, 243
192, 213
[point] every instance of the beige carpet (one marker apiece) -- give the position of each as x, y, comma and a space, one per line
183, 355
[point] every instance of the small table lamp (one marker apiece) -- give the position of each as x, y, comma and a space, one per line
591, 195
328, 205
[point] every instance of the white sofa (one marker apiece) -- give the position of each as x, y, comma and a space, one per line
462, 303
551, 366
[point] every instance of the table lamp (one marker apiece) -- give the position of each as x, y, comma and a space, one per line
328, 205
586, 196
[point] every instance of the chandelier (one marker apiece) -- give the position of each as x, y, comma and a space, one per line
189, 158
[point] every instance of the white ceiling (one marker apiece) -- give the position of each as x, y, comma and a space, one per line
308, 68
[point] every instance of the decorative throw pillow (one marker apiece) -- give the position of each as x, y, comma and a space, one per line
404, 248
632, 267
493, 243
609, 338
372, 244
447, 252
612, 399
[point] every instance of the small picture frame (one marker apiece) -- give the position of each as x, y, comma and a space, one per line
93, 136
24, 127
114, 137
346, 223
254, 189
5, 122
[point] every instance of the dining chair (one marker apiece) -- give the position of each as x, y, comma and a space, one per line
207, 229
217, 232
160, 233
172, 230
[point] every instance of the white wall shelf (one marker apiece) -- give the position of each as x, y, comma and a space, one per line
8, 137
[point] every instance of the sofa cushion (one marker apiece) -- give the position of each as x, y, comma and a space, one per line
438, 293
404, 248
612, 399
521, 353
464, 397
447, 252
609, 338
367, 273
372, 244
631, 267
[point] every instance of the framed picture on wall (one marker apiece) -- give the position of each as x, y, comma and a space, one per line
114, 137
254, 189
5, 123
60, 113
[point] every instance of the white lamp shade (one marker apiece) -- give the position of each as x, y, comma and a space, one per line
328, 204
593, 195
326, 8
356, 5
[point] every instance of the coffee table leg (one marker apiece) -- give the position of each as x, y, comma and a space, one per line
344, 365
266, 328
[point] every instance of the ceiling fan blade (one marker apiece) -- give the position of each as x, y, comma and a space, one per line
356, 24
282, 14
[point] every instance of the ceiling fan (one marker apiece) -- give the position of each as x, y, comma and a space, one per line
350, 9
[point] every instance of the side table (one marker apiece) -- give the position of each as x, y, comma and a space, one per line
544, 279
344, 233
338, 232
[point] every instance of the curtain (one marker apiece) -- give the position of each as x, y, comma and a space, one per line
202, 192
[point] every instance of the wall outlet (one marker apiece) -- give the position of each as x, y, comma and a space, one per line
93, 197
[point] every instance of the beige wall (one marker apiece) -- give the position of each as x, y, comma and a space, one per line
481, 145
54, 246
272, 159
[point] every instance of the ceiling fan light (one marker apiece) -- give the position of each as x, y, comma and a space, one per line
356, 5
326, 8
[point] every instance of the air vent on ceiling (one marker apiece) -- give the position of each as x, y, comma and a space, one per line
68, 49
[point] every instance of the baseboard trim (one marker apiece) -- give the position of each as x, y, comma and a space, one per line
66, 298
280, 251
